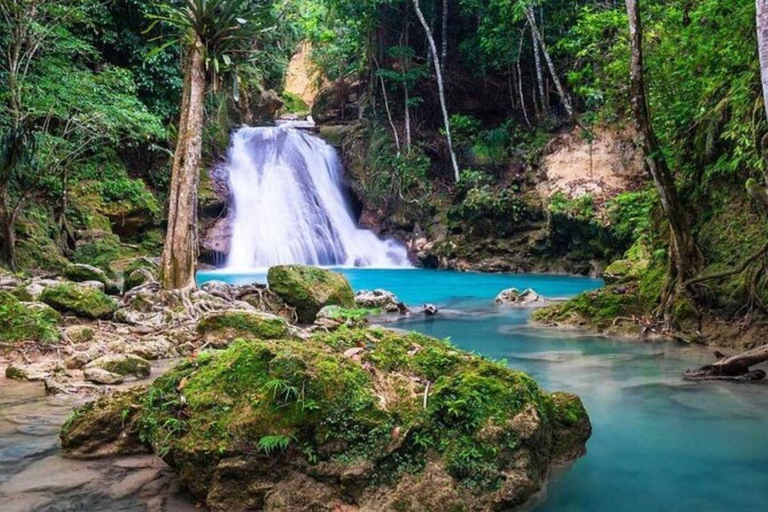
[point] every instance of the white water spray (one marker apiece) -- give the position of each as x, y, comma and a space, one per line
290, 205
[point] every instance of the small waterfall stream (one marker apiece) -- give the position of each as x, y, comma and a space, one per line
291, 206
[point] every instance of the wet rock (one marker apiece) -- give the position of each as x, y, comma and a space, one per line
218, 329
126, 365
429, 309
106, 427
378, 299
52, 474
572, 427
528, 298
309, 289
133, 483
81, 273
82, 301
333, 317
102, 376
79, 358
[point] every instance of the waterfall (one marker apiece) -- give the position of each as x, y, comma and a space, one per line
290, 205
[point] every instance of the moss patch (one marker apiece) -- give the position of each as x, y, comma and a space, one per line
84, 302
227, 325
19, 322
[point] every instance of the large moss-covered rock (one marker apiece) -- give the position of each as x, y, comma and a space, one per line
309, 289
21, 321
221, 327
365, 418
82, 301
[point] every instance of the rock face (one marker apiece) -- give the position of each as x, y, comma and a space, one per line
357, 418
309, 289
525, 299
220, 328
21, 321
82, 301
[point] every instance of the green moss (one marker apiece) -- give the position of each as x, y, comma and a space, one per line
36, 247
19, 322
100, 250
309, 289
11, 372
85, 302
272, 396
597, 309
238, 324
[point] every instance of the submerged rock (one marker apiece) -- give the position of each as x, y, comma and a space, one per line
528, 298
361, 418
82, 301
309, 289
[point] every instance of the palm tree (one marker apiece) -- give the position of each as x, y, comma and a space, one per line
215, 36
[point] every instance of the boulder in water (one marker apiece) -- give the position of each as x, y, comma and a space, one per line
378, 299
102, 376
528, 298
309, 289
297, 424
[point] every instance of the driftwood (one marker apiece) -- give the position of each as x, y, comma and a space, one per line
733, 367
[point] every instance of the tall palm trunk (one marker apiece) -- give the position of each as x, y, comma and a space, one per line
8, 226
440, 87
180, 251
761, 8
685, 256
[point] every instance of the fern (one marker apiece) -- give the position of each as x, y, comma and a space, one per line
271, 444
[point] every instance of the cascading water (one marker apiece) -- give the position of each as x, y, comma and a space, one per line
291, 207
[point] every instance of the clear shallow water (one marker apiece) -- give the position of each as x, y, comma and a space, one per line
658, 444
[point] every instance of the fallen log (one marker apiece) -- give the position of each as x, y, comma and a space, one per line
732, 368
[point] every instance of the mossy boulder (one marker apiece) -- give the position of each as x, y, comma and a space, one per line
572, 425
370, 418
309, 289
127, 365
20, 321
105, 427
82, 301
221, 327
80, 272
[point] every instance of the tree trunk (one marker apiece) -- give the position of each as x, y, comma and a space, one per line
8, 233
520, 79
539, 74
440, 88
543, 46
444, 34
761, 7
180, 252
732, 368
685, 256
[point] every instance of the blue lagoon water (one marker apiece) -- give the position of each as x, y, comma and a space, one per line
659, 443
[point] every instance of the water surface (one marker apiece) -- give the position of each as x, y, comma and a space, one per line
659, 443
